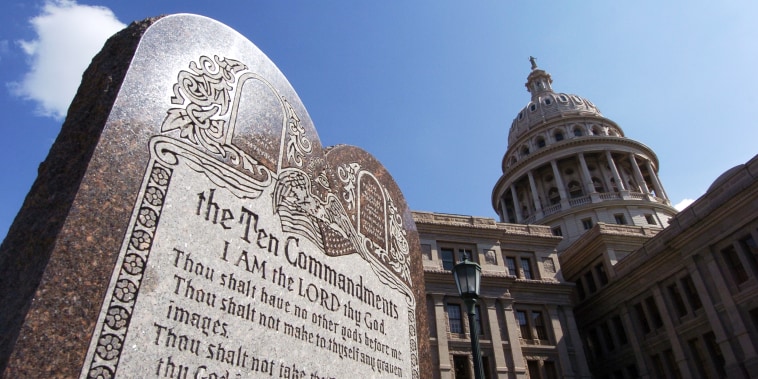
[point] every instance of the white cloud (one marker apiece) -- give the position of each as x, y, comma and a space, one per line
68, 37
683, 204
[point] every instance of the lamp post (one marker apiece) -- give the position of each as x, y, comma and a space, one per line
468, 277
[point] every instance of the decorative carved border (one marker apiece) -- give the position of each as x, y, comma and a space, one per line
207, 99
124, 291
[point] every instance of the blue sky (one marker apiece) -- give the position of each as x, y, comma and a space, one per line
430, 88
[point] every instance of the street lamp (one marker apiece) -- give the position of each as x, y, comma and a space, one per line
468, 276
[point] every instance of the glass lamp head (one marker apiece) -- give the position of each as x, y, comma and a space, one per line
468, 277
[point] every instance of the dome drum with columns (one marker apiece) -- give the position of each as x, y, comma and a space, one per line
569, 167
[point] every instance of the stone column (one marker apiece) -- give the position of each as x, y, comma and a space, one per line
560, 340
519, 364
516, 205
443, 351
559, 181
501, 365
714, 320
668, 323
659, 192
606, 174
633, 337
737, 324
619, 183
589, 188
504, 210
535, 195
751, 361
638, 174
572, 331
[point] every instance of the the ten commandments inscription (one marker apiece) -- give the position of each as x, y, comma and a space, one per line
251, 251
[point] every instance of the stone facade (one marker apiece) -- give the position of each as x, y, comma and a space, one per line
684, 303
590, 272
527, 324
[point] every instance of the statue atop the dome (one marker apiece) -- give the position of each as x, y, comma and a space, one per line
533, 60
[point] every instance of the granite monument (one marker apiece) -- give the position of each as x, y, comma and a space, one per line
188, 223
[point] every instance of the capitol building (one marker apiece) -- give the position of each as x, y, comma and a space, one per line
590, 272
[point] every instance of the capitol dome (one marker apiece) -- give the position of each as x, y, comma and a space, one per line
546, 105
570, 167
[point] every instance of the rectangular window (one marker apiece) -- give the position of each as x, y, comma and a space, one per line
714, 351
618, 327
587, 223
734, 265
606, 333
639, 313
600, 271
526, 266
467, 254
523, 323
677, 300
539, 325
749, 250
521, 265
454, 318
650, 219
698, 355
448, 258
580, 289
557, 231
652, 308
660, 372
749, 245
486, 367
590, 281
673, 367
620, 219
460, 366
550, 371
534, 369
689, 290
632, 371
510, 262
595, 346
451, 255
754, 317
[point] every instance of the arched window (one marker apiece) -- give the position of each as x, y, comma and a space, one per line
558, 136
578, 132
553, 196
575, 190
540, 142
525, 151
598, 185
613, 183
